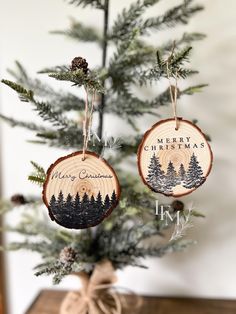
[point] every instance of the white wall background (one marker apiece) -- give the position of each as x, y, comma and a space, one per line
206, 270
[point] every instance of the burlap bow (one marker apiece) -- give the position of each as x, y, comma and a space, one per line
95, 297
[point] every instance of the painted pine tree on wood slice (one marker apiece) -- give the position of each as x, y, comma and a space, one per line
174, 162
80, 193
181, 173
194, 177
154, 172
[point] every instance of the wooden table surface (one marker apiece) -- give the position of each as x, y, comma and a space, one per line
48, 302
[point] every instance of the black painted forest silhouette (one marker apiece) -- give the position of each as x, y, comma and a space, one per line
81, 212
164, 182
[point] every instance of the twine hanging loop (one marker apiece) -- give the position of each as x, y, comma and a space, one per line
87, 122
173, 88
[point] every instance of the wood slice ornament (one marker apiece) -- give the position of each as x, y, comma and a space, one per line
174, 162
80, 193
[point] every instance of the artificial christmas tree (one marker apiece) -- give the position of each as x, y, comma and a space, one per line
121, 238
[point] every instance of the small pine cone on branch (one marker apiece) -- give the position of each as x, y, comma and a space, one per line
67, 255
79, 63
18, 199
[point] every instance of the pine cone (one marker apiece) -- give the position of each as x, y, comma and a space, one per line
177, 205
18, 199
67, 255
79, 63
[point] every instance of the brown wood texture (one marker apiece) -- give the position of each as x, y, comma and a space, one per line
73, 175
165, 131
48, 302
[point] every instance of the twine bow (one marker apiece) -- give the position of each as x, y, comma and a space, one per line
96, 296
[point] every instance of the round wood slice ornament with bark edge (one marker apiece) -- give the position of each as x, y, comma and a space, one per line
80, 193
174, 162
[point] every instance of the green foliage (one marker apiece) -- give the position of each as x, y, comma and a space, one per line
39, 174
179, 14
80, 32
129, 20
27, 125
79, 79
187, 38
122, 237
24, 94
61, 101
193, 89
44, 110
133, 64
64, 138
94, 3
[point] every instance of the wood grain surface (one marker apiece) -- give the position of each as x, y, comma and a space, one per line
70, 174
88, 179
48, 302
175, 147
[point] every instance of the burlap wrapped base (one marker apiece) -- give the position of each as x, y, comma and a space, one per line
97, 295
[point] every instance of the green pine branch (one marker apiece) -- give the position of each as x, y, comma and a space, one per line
179, 14
123, 236
80, 32
44, 110
123, 63
172, 66
193, 89
171, 247
178, 59
129, 20
79, 78
54, 69
20, 72
126, 104
38, 176
39, 246
60, 100
39, 180
24, 94
71, 137
58, 269
22, 78
27, 125
94, 3
185, 39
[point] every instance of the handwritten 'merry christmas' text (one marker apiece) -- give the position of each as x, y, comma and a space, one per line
83, 174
